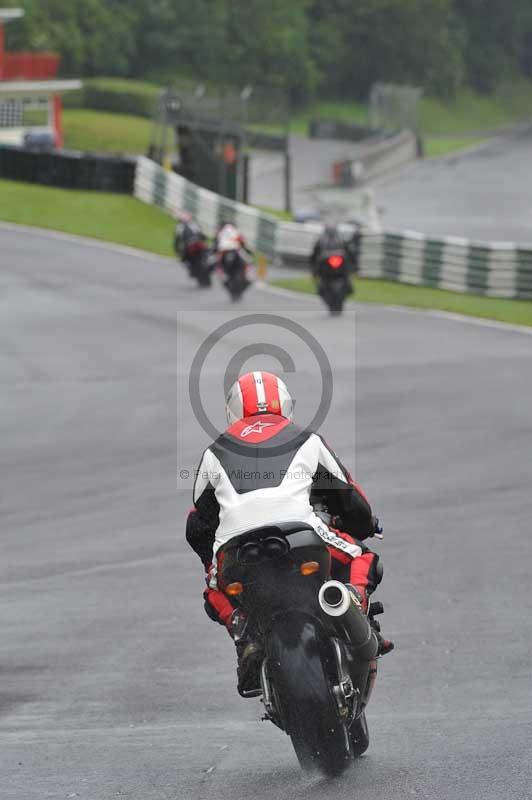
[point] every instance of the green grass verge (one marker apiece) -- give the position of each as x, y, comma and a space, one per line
102, 130
518, 312
275, 212
441, 146
470, 112
110, 217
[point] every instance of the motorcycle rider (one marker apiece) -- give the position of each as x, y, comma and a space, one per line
230, 240
300, 472
330, 241
229, 237
186, 232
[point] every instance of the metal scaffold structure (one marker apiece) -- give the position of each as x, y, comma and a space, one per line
394, 108
209, 135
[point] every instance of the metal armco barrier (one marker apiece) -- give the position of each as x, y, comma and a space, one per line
497, 269
289, 242
374, 153
69, 169
376, 158
174, 193
460, 265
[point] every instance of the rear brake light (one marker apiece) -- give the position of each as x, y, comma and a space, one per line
335, 261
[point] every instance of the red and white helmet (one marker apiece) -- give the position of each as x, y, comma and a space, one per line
258, 393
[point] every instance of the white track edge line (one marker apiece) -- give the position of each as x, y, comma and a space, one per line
289, 293
74, 238
430, 312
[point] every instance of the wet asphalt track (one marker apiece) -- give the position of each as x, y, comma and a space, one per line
113, 682
482, 194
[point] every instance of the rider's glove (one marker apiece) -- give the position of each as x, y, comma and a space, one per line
377, 528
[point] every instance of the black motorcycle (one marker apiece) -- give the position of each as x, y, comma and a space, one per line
318, 652
334, 282
200, 261
234, 269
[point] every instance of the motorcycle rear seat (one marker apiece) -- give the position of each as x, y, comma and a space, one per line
282, 530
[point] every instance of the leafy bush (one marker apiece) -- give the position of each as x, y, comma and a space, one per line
120, 96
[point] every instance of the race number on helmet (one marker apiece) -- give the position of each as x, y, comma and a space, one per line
258, 393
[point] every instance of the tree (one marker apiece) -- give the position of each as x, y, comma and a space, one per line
92, 36
498, 36
401, 41
338, 47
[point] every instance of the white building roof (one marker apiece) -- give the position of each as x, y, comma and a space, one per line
7, 14
37, 88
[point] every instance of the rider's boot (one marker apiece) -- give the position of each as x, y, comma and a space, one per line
249, 661
385, 645
249, 653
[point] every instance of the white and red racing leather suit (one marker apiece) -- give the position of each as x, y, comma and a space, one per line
265, 470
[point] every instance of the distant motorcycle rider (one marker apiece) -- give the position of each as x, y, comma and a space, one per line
328, 243
230, 499
229, 239
186, 232
230, 246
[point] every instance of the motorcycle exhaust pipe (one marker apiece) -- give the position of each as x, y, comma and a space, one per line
344, 608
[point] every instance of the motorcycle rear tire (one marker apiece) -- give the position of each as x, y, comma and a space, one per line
204, 280
335, 298
237, 286
297, 663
